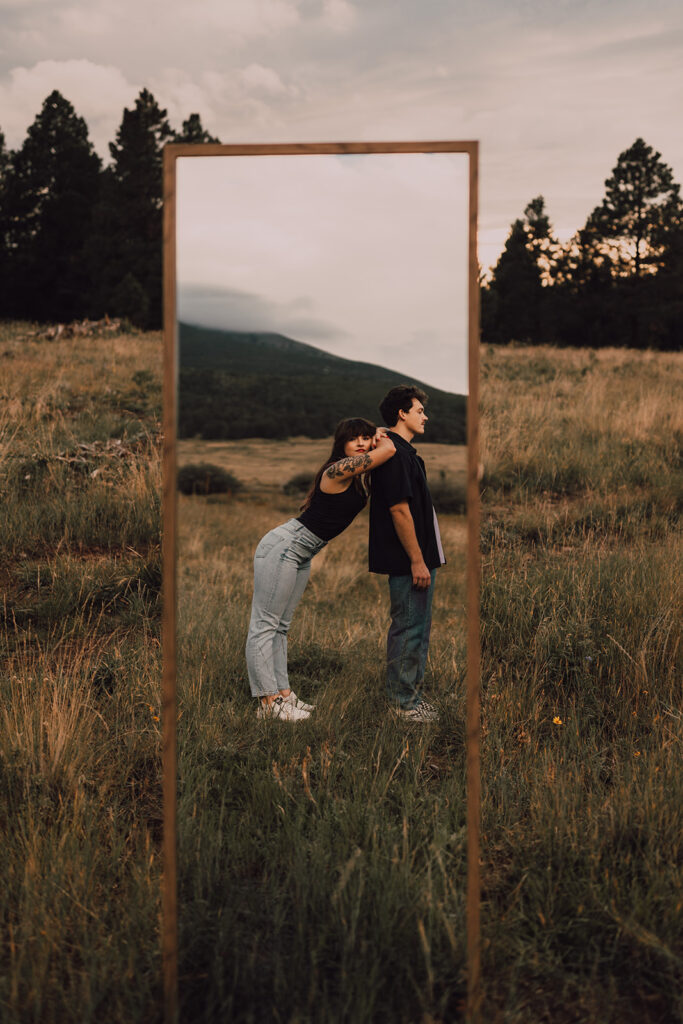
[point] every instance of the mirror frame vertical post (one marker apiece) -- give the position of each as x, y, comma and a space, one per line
169, 507
472, 725
169, 713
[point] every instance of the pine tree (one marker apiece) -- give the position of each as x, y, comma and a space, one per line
4, 267
634, 228
127, 249
583, 295
640, 203
4, 161
514, 303
193, 131
49, 189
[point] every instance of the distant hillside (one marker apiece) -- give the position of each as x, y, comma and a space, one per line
235, 384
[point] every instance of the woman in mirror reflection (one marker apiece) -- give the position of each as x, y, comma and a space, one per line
282, 562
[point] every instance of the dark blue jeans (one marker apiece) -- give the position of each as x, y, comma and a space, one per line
408, 639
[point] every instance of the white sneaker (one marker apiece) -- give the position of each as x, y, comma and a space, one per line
297, 703
422, 712
282, 710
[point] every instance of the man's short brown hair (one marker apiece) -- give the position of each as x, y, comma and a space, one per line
400, 398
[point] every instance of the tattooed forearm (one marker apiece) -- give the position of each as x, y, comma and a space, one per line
349, 465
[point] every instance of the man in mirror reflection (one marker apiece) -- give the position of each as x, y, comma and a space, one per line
405, 545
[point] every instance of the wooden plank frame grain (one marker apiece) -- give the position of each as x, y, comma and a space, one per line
172, 152
169, 714
472, 724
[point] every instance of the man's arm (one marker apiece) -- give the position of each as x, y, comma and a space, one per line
405, 529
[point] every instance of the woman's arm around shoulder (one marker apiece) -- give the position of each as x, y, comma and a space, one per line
336, 477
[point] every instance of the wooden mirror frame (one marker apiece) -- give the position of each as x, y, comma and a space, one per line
169, 546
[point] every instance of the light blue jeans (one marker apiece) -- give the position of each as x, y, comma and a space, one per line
282, 565
408, 640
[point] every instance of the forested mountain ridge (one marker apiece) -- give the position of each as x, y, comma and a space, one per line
215, 348
261, 384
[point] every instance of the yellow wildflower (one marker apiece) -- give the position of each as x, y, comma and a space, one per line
557, 720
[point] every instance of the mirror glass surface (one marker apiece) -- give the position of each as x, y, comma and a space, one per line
363, 255
307, 285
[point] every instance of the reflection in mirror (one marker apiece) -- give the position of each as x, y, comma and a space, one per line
321, 812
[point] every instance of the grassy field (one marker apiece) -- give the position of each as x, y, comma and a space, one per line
323, 867
264, 465
80, 800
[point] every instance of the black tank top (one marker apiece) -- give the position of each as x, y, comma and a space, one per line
329, 514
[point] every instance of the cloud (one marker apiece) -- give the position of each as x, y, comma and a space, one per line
260, 79
249, 18
553, 91
339, 15
97, 92
20, 6
310, 327
181, 94
240, 20
235, 310
89, 21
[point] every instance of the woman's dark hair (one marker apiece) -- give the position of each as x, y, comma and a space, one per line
345, 431
400, 397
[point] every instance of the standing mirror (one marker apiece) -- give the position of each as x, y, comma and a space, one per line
301, 284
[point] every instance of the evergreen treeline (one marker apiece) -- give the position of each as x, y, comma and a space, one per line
618, 281
80, 240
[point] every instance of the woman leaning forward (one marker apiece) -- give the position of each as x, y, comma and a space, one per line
282, 562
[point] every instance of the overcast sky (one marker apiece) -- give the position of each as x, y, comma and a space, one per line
554, 91
362, 255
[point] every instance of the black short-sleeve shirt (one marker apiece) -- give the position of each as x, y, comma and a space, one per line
401, 478
329, 514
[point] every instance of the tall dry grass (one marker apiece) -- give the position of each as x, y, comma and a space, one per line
571, 421
323, 867
79, 731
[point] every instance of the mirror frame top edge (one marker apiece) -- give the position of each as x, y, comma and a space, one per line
192, 149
